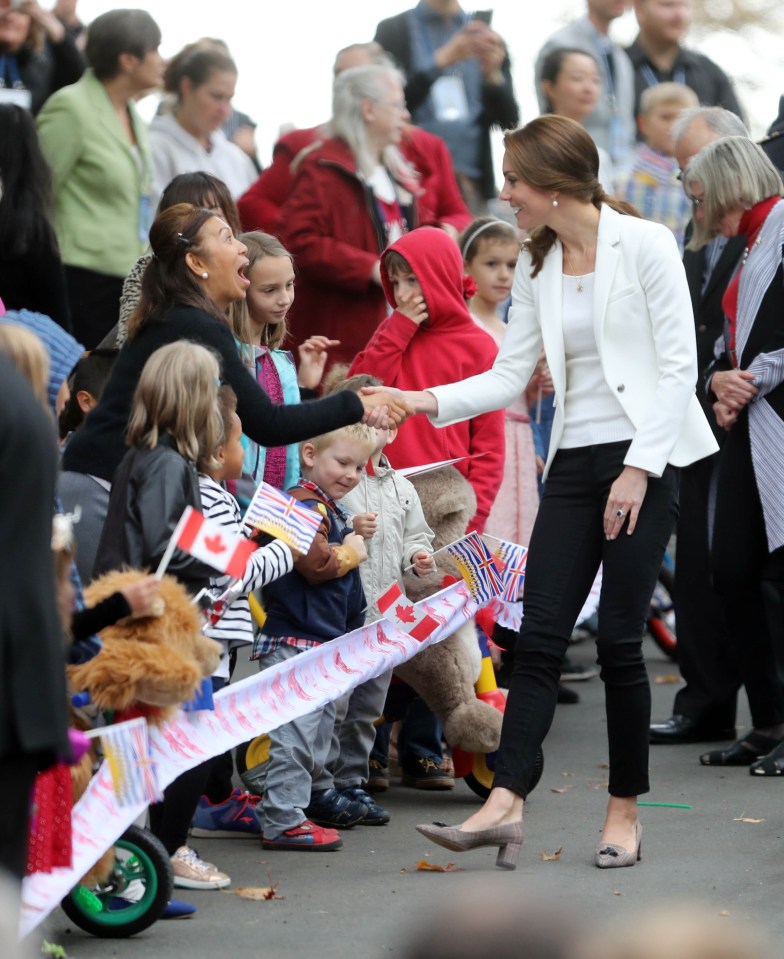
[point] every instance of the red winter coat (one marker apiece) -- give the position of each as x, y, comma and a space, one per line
331, 226
440, 200
448, 347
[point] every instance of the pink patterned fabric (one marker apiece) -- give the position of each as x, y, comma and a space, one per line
275, 461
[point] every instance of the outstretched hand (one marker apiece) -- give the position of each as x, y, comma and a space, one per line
385, 408
414, 401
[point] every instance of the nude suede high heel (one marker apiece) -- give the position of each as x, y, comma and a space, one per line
611, 856
508, 838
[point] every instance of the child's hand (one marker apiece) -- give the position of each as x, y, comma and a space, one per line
365, 524
312, 360
142, 597
423, 563
413, 306
355, 541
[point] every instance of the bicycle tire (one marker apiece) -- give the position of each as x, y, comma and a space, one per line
147, 862
660, 616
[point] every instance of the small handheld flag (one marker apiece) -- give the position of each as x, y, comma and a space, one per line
406, 616
477, 567
282, 516
210, 542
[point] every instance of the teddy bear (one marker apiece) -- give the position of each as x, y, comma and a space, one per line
444, 674
151, 664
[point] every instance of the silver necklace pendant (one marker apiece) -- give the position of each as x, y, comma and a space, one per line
579, 284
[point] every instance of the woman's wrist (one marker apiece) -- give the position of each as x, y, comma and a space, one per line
422, 401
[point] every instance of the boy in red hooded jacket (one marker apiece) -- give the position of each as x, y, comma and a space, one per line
431, 339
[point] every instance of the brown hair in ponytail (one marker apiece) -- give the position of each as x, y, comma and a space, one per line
556, 155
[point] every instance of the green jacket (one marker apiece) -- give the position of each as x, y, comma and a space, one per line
101, 183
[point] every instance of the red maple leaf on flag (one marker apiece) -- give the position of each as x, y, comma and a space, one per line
405, 614
214, 543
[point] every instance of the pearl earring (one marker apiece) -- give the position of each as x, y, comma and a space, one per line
555, 202
205, 275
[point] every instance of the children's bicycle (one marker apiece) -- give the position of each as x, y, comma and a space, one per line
134, 894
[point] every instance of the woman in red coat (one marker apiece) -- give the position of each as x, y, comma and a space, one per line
353, 195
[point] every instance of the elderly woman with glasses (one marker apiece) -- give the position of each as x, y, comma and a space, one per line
353, 195
736, 190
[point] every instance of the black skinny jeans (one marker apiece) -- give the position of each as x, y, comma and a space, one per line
567, 545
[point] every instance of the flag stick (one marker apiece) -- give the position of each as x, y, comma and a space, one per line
441, 550
166, 558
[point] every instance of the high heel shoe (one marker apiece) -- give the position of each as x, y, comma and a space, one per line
611, 856
509, 839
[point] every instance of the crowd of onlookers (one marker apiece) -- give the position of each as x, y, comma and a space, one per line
141, 267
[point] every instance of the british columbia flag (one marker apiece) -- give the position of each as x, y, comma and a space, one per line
126, 747
282, 516
477, 567
510, 560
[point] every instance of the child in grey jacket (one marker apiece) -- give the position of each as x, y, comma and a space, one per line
388, 514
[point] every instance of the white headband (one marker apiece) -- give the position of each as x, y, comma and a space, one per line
482, 228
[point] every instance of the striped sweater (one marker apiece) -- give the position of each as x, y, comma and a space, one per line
235, 627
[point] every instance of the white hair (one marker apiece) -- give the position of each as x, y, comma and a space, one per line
724, 123
351, 87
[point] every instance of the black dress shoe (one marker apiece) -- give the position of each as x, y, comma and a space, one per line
684, 729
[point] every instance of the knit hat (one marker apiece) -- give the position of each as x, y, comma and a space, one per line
64, 352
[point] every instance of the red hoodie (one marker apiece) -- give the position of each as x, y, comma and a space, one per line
448, 347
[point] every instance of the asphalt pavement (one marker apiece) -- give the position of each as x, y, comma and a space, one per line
365, 899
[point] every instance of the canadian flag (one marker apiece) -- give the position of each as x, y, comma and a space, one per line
212, 543
396, 609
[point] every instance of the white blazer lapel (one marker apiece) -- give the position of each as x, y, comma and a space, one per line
607, 256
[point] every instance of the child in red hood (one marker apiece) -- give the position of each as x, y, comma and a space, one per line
431, 339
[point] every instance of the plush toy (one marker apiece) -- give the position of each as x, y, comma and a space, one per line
444, 674
153, 664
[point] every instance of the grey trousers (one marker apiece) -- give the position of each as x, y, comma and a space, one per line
354, 734
298, 751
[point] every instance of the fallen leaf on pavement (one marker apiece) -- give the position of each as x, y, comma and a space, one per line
602, 765
257, 893
423, 866
617, 892
724, 913
744, 819
562, 789
567, 774
546, 857
668, 678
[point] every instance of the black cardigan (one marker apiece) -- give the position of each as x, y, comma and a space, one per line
99, 446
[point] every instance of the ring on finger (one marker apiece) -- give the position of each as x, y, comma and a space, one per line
620, 513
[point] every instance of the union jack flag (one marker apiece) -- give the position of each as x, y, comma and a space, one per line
283, 517
477, 567
510, 560
126, 747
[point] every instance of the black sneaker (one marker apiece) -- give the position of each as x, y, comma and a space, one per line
376, 815
330, 808
427, 773
378, 777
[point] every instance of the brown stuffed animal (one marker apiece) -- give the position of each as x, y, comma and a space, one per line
444, 674
152, 661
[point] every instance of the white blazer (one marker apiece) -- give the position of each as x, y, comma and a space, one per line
644, 329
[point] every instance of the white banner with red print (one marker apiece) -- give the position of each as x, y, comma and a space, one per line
243, 710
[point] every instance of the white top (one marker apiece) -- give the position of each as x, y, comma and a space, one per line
592, 413
644, 328
175, 151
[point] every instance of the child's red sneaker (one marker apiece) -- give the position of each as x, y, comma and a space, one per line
307, 837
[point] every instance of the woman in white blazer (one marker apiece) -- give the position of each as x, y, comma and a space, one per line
605, 295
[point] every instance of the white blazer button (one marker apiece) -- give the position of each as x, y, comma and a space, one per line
621, 387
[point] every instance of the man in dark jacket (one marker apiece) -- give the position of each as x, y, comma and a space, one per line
459, 85
658, 56
773, 142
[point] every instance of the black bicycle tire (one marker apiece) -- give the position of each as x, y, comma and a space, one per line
155, 851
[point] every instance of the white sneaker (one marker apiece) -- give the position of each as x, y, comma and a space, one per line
191, 872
